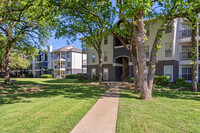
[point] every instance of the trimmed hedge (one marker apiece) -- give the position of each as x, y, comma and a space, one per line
28, 75
78, 76
46, 76
70, 76
180, 81
161, 80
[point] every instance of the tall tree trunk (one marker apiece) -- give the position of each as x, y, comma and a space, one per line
135, 70
100, 67
145, 93
1, 72
7, 76
154, 51
194, 65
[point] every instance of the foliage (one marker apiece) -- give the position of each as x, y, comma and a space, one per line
95, 78
132, 80
70, 76
46, 76
180, 81
161, 80
18, 62
81, 76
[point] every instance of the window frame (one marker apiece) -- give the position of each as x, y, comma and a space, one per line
104, 73
93, 59
105, 57
92, 72
168, 50
105, 40
172, 72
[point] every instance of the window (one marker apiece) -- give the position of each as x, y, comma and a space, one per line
169, 27
187, 73
93, 72
168, 71
69, 64
168, 49
199, 29
146, 49
105, 40
93, 58
105, 73
147, 30
105, 56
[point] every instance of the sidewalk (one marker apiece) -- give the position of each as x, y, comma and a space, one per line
102, 117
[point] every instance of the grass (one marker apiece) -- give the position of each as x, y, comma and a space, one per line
170, 111
46, 106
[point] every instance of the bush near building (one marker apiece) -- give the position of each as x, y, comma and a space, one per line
46, 76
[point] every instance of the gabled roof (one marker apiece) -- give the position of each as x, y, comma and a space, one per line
68, 49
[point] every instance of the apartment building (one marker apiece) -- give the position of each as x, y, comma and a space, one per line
174, 57
59, 62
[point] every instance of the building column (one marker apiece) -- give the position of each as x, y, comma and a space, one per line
60, 64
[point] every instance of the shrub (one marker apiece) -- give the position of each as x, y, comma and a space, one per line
70, 76
28, 75
180, 81
95, 78
161, 80
81, 76
132, 80
46, 76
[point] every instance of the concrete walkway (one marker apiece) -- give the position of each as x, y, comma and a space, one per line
102, 117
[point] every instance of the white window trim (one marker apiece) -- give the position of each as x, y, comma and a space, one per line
171, 50
103, 73
172, 71
95, 72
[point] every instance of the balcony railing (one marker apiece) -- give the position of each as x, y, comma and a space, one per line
58, 57
37, 67
186, 56
58, 66
185, 33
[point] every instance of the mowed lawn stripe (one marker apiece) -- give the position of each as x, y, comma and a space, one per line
45, 112
163, 114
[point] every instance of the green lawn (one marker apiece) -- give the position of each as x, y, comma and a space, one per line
170, 111
48, 105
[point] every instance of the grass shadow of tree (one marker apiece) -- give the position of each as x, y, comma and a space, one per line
187, 95
76, 91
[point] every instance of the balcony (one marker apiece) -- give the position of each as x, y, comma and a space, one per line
186, 56
185, 33
58, 57
59, 67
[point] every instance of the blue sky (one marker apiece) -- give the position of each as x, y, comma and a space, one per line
58, 43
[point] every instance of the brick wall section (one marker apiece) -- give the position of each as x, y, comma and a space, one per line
110, 70
160, 68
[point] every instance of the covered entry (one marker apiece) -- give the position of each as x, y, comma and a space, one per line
121, 69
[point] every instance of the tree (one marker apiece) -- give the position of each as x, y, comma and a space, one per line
24, 23
133, 14
88, 18
2, 61
19, 62
191, 14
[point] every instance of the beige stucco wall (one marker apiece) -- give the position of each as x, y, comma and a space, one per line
108, 47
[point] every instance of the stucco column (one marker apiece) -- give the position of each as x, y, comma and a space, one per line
60, 64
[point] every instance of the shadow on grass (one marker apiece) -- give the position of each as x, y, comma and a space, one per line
187, 95
76, 91
67, 81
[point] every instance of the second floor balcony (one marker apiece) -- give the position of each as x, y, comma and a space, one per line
59, 67
59, 57
185, 33
186, 56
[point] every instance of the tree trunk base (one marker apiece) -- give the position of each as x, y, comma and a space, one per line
146, 98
